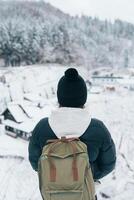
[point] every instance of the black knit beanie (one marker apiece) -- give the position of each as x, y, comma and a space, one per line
72, 90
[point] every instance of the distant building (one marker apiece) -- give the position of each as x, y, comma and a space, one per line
110, 88
105, 80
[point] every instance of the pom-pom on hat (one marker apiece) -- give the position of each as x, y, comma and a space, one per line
72, 90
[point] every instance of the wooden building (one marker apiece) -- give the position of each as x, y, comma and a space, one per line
105, 80
17, 122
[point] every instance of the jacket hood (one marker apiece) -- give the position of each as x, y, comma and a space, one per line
69, 122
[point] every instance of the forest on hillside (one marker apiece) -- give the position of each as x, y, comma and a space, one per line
36, 32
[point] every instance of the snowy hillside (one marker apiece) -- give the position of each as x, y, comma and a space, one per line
34, 32
19, 182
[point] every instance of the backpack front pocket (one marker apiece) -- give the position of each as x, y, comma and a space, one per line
64, 195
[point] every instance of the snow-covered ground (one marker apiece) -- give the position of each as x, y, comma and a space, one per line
19, 182
117, 111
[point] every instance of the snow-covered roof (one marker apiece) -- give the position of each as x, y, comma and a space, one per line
31, 111
17, 113
27, 126
33, 97
107, 77
24, 111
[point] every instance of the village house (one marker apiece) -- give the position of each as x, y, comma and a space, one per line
105, 80
18, 122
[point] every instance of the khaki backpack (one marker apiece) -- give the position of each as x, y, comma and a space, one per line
64, 171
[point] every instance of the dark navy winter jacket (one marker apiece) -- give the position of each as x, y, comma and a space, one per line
101, 148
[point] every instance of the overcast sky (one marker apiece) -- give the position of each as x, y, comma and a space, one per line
110, 9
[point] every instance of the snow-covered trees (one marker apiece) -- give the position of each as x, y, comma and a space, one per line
35, 32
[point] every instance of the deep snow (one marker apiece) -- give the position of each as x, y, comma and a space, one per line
19, 182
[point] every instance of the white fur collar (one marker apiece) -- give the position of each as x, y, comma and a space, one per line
69, 122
